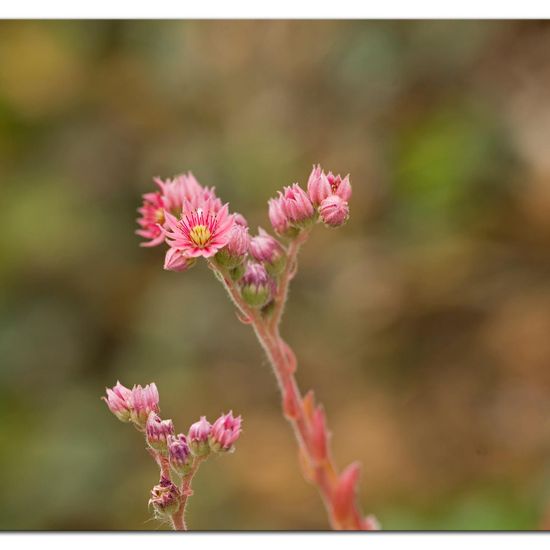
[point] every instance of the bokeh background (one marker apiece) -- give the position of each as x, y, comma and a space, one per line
423, 324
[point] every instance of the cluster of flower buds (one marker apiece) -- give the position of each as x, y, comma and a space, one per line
133, 405
330, 194
181, 454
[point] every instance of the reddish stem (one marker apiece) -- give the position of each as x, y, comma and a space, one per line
308, 421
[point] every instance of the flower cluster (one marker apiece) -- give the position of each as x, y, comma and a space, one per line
194, 223
256, 271
177, 455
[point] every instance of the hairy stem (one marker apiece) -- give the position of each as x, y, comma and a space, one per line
316, 457
178, 517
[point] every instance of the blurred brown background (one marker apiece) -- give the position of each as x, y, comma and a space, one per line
423, 324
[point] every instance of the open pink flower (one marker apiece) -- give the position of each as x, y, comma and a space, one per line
199, 232
172, 196
151, 219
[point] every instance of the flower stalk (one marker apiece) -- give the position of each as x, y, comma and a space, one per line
177, 456
256, 273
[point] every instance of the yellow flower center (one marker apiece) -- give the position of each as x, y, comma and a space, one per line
200, 235
159, 216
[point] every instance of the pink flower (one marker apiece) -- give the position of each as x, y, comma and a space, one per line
175, 260
143, 402
173, 194
225, 431
277, 216
165, 497
256, 285
199, 232
186, 189
152, 218
334, 211
320, 186
119, 401
179, 453
269, 251
296, 205
157, 431
198, 437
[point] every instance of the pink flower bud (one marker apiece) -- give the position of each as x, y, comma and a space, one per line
269, 251
344, 494
334, 211
179, 454
165, 498
297, 206
339, 186
234, 252
198, 437
157, 432
318, 187
277, 216
240, 219
119, 401
175, 260
144, 401
225, 431
256, 285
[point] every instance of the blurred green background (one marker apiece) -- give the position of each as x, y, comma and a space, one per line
423, 324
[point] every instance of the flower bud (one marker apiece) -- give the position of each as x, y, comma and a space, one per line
157, 432
144, 401
277, 216
239, 219
198, 437
318, 187
175, 260
297, 206
267, 250
234, 252
255, 285
119, 401
165, 497
225, 431
334, 211
179, 454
